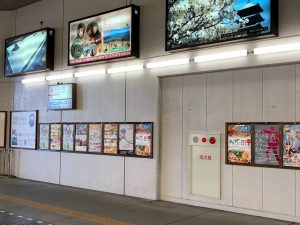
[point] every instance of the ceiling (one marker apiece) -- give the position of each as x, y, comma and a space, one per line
7, 5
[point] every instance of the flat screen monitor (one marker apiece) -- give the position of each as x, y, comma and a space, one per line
106, 36
62, 96
191, 23
28, 53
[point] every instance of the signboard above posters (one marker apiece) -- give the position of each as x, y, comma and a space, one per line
191, 23
109, 35
62, 96
23, 130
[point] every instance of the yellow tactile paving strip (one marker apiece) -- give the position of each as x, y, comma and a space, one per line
63, 211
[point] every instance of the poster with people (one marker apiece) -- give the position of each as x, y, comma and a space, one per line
143, 139
102, 37
239, 143
81, 137
68, 137
291, 145
110, 138
23, 130
126, 139
267, 144
44, 136
95, 138
55, 137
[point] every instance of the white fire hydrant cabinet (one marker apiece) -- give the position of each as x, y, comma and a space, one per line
204, 171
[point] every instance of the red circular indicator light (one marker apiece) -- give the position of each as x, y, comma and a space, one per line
203, 140
248, 141
212, 140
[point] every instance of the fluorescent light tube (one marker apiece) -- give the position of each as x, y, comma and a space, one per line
167, 63
60, 76
220, 56
33, 80
90, 73
277, 48
125, 69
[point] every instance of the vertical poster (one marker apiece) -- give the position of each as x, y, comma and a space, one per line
44, 136
2, 129
81, 137
68, 137
95, 138
126, 139
239, 143
267, 145
110, 139
291, 145
143, 139
55, 137
23, 130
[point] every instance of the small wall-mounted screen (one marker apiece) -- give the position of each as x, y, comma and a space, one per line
62, 96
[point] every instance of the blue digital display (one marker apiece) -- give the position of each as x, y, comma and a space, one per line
28, 53
60, 97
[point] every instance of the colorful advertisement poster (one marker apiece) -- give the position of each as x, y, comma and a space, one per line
267, 145
143, 139
200, 22
95, 138
291, 145
126, 138
55, 137
239, 143
110, 139
81, 137
23, 130
2, 129
68, 137
102, 37
44, 136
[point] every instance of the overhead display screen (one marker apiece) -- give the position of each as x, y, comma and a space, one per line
105, 36
200, 22
29, 53
62, 96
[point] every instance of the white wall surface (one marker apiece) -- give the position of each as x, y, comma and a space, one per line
204, 103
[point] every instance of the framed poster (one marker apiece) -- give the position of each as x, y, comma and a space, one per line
3, 118
23, 129
68, 137
44, 136
238, 149
267, 144
95, 137
81, 138
55, 137
191, 23
291, 145
109, 35
110, 140
143, 139
126, 139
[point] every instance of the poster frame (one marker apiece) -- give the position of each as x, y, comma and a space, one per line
122, 151
103, 133
36, 112
39, 135
227, 148
274, 17
135, 36
87, 137
5, 129
152, 133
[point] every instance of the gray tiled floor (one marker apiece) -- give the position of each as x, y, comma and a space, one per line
126, 209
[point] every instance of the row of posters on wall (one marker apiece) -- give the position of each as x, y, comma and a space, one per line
263, 144
129, 139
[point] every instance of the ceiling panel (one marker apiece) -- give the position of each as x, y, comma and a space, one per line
6, 5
